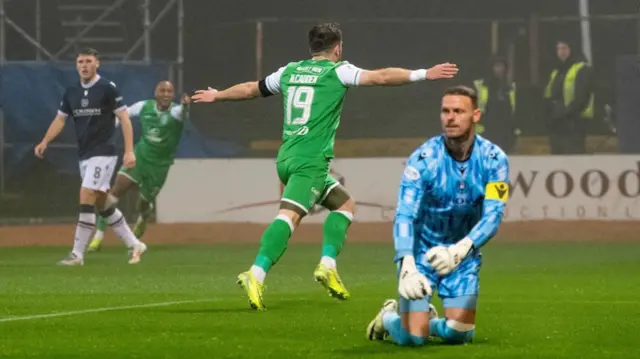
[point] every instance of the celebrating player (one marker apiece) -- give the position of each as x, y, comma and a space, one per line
162, 124
450, 203
313, 95
93, 103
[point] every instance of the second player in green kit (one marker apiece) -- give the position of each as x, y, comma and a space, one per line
313, 95
162, 122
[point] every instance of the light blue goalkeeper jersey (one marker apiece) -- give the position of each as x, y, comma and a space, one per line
441, 200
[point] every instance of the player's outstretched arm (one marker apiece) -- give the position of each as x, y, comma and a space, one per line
239, 92
269, 86
397, 76
57, 125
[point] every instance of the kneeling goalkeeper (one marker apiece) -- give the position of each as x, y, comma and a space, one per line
450, 203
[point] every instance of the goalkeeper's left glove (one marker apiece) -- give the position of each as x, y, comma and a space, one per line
413, 285
445, 259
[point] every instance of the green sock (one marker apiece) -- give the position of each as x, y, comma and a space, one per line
145, 209
335, 233
100, 226
273, 243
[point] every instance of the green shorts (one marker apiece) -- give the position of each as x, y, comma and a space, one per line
149, 177
306, 181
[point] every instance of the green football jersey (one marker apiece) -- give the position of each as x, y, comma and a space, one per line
313, 95
161, 131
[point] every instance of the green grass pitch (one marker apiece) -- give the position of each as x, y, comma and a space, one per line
537, 301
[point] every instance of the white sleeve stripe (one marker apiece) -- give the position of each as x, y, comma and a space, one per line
356, 78
62, 114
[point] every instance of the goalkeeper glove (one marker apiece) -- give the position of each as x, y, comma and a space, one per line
413, 284
445, 259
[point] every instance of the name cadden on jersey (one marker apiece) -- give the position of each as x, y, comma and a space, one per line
93, 107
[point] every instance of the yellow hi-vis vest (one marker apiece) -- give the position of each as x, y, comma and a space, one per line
569, 88
483, 95
483, 99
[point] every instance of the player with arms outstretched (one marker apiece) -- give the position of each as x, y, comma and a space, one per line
450, 203
94, 103
313, 95
162, 123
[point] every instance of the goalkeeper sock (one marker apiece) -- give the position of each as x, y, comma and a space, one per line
100, 226
273, 244
392, 323
451, 331
335, 234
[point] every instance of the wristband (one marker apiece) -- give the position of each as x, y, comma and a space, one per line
418, 75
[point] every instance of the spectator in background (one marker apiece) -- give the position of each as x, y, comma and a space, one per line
497, 102
569, 101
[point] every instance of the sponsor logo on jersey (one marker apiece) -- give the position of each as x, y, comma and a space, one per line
153, 135
84, 112
310, 69
84, 102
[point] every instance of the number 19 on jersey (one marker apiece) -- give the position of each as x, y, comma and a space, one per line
299, 100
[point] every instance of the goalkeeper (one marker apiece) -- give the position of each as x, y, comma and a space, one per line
450, 203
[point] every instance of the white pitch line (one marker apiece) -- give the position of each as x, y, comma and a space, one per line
517, 301
99, 310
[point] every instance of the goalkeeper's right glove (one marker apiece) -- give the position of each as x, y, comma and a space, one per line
413, 284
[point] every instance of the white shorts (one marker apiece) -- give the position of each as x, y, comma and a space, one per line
96, 172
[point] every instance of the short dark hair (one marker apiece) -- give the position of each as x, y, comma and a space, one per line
89, 51
324, 36
463, 91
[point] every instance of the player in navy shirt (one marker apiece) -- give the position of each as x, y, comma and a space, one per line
94, 103
450, 203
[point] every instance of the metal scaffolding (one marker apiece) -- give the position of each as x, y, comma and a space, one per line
43, 54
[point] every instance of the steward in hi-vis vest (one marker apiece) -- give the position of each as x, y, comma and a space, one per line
497, 101
569, 102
